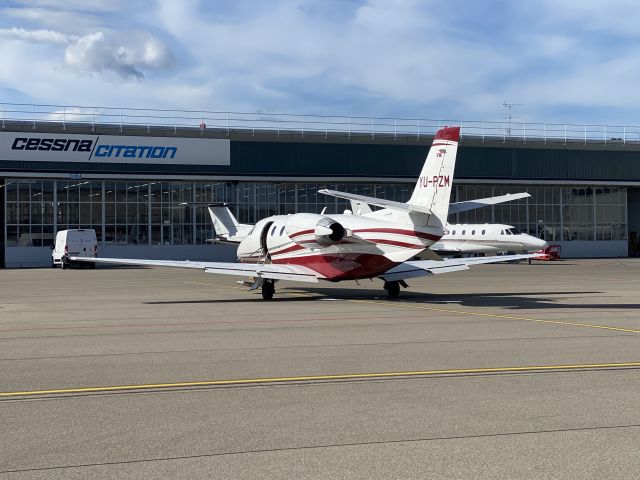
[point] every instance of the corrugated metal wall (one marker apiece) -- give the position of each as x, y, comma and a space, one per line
314, 159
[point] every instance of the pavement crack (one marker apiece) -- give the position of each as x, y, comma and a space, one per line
327, 446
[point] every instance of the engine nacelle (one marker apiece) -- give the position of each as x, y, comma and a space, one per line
314, 231
329, 231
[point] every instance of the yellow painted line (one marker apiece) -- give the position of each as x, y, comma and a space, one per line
494, 315
308, 378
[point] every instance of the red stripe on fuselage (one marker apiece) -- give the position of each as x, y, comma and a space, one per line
396, 243
302, 232
399, 231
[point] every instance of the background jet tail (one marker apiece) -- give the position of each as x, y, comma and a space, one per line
226, 225
359, 207
433, 188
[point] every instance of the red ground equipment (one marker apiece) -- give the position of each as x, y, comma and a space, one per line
552, 252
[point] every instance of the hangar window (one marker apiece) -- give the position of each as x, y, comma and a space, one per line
128, 212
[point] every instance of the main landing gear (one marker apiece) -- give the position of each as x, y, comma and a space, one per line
393, 288
268, 289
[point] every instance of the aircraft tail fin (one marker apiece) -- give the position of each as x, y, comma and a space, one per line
226, 225
358, 207
433, 188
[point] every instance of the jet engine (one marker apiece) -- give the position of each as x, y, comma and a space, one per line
328, 231
314, 231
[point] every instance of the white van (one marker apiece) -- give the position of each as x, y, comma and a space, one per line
74, 243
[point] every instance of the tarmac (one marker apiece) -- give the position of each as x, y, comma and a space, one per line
502, 371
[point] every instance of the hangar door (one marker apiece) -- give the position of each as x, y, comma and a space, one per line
633, 213
2, 221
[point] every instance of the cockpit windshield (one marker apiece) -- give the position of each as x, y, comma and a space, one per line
513, 231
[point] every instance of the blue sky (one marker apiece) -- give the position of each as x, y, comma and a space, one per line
570, 61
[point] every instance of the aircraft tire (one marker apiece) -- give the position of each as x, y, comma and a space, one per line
268, 289
392, 288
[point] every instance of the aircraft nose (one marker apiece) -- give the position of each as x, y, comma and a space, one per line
543, 244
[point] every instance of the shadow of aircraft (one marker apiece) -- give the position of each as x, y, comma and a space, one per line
527, 300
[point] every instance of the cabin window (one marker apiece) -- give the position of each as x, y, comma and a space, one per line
463, 232
273, 230
282, 230
454, 232
473, 232
501, 232
483, 232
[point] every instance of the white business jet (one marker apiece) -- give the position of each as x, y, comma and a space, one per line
472, 238
463, 239
309, 247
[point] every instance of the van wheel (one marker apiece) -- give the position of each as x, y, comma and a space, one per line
63, 263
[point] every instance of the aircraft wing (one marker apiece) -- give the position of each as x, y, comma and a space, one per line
268, 270
420, 268
483, 202
454, 248
378, 202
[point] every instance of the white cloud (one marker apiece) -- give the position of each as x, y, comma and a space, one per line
370, 57
85, 5
95, 53
99, 52
38, 36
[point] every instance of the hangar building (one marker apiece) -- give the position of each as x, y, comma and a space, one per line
141, 178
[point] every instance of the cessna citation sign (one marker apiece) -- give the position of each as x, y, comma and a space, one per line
50, 147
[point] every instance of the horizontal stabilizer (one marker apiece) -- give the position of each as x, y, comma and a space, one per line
378, 202
459, 207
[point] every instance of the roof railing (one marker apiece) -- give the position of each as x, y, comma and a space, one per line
227, 121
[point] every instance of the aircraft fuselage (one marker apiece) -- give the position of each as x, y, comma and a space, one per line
338, 247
